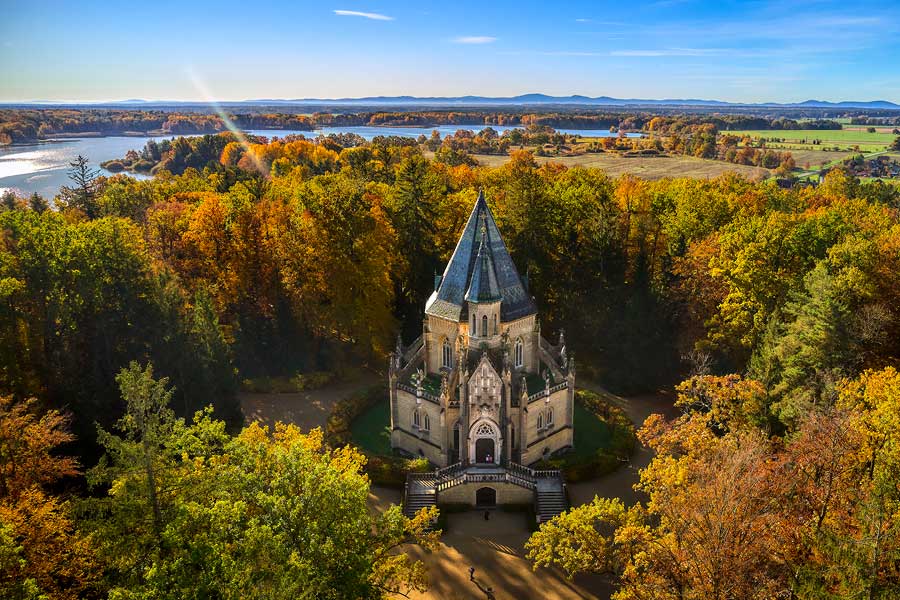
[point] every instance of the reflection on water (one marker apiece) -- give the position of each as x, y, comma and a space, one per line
42, 167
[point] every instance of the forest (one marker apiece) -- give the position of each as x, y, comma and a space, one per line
132, 308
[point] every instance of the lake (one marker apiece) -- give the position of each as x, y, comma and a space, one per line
42, 166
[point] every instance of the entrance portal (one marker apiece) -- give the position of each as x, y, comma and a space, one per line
486, 497
484, 450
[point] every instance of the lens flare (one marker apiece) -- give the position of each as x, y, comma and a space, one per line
229, 124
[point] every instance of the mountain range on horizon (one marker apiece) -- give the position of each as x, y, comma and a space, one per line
520, 100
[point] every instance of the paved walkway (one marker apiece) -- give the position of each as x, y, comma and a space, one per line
496, 549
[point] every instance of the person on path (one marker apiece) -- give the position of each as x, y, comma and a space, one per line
471, 573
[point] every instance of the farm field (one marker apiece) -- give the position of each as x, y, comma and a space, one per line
816, 158
794, 139
646, 167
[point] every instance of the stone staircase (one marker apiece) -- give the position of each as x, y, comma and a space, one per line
420, 492
422, 489
550, 498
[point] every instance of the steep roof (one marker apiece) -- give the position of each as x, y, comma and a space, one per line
483, 286
449, 300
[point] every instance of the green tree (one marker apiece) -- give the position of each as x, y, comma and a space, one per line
195, 513
83, 195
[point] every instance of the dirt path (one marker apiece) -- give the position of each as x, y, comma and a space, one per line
307, 409
619, 483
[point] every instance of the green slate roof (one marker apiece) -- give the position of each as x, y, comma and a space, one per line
449, 300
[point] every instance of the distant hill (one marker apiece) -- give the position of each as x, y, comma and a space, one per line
538, 99
462, 101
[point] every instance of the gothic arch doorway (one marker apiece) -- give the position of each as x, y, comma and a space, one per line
484, 450
485, 442
485, 497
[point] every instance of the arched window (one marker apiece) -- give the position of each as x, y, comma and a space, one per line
520, 353
447, 355
474, 331
512, 434
427, 423
549, 417
540, 422
456, 436
416, 419
494, 329
484, 332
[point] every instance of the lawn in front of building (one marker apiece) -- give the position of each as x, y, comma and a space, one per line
591, 433
371, 430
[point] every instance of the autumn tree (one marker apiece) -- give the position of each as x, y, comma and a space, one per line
41, 550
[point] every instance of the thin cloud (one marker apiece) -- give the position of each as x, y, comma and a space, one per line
475, 39
674, 52
365, 15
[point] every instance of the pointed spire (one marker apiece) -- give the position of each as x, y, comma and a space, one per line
483, 286
480, 237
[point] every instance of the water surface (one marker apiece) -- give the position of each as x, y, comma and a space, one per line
42, 166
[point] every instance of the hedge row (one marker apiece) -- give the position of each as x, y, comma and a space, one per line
382, 470
298, 382
605, 460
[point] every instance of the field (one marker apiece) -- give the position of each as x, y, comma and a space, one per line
803, 138
646, 167
816, 158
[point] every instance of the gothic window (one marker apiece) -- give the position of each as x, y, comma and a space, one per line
484, 332
549, 417
484, 430
520, 353
447, 355
416, 419
494, 329
474, 331
456, 436
512, 434
426, 423
540, 422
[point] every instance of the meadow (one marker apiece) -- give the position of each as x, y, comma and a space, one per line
803, 138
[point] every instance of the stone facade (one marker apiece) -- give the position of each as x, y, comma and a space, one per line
504, 493
480, 385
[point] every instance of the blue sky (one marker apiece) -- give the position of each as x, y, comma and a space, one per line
754, 51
